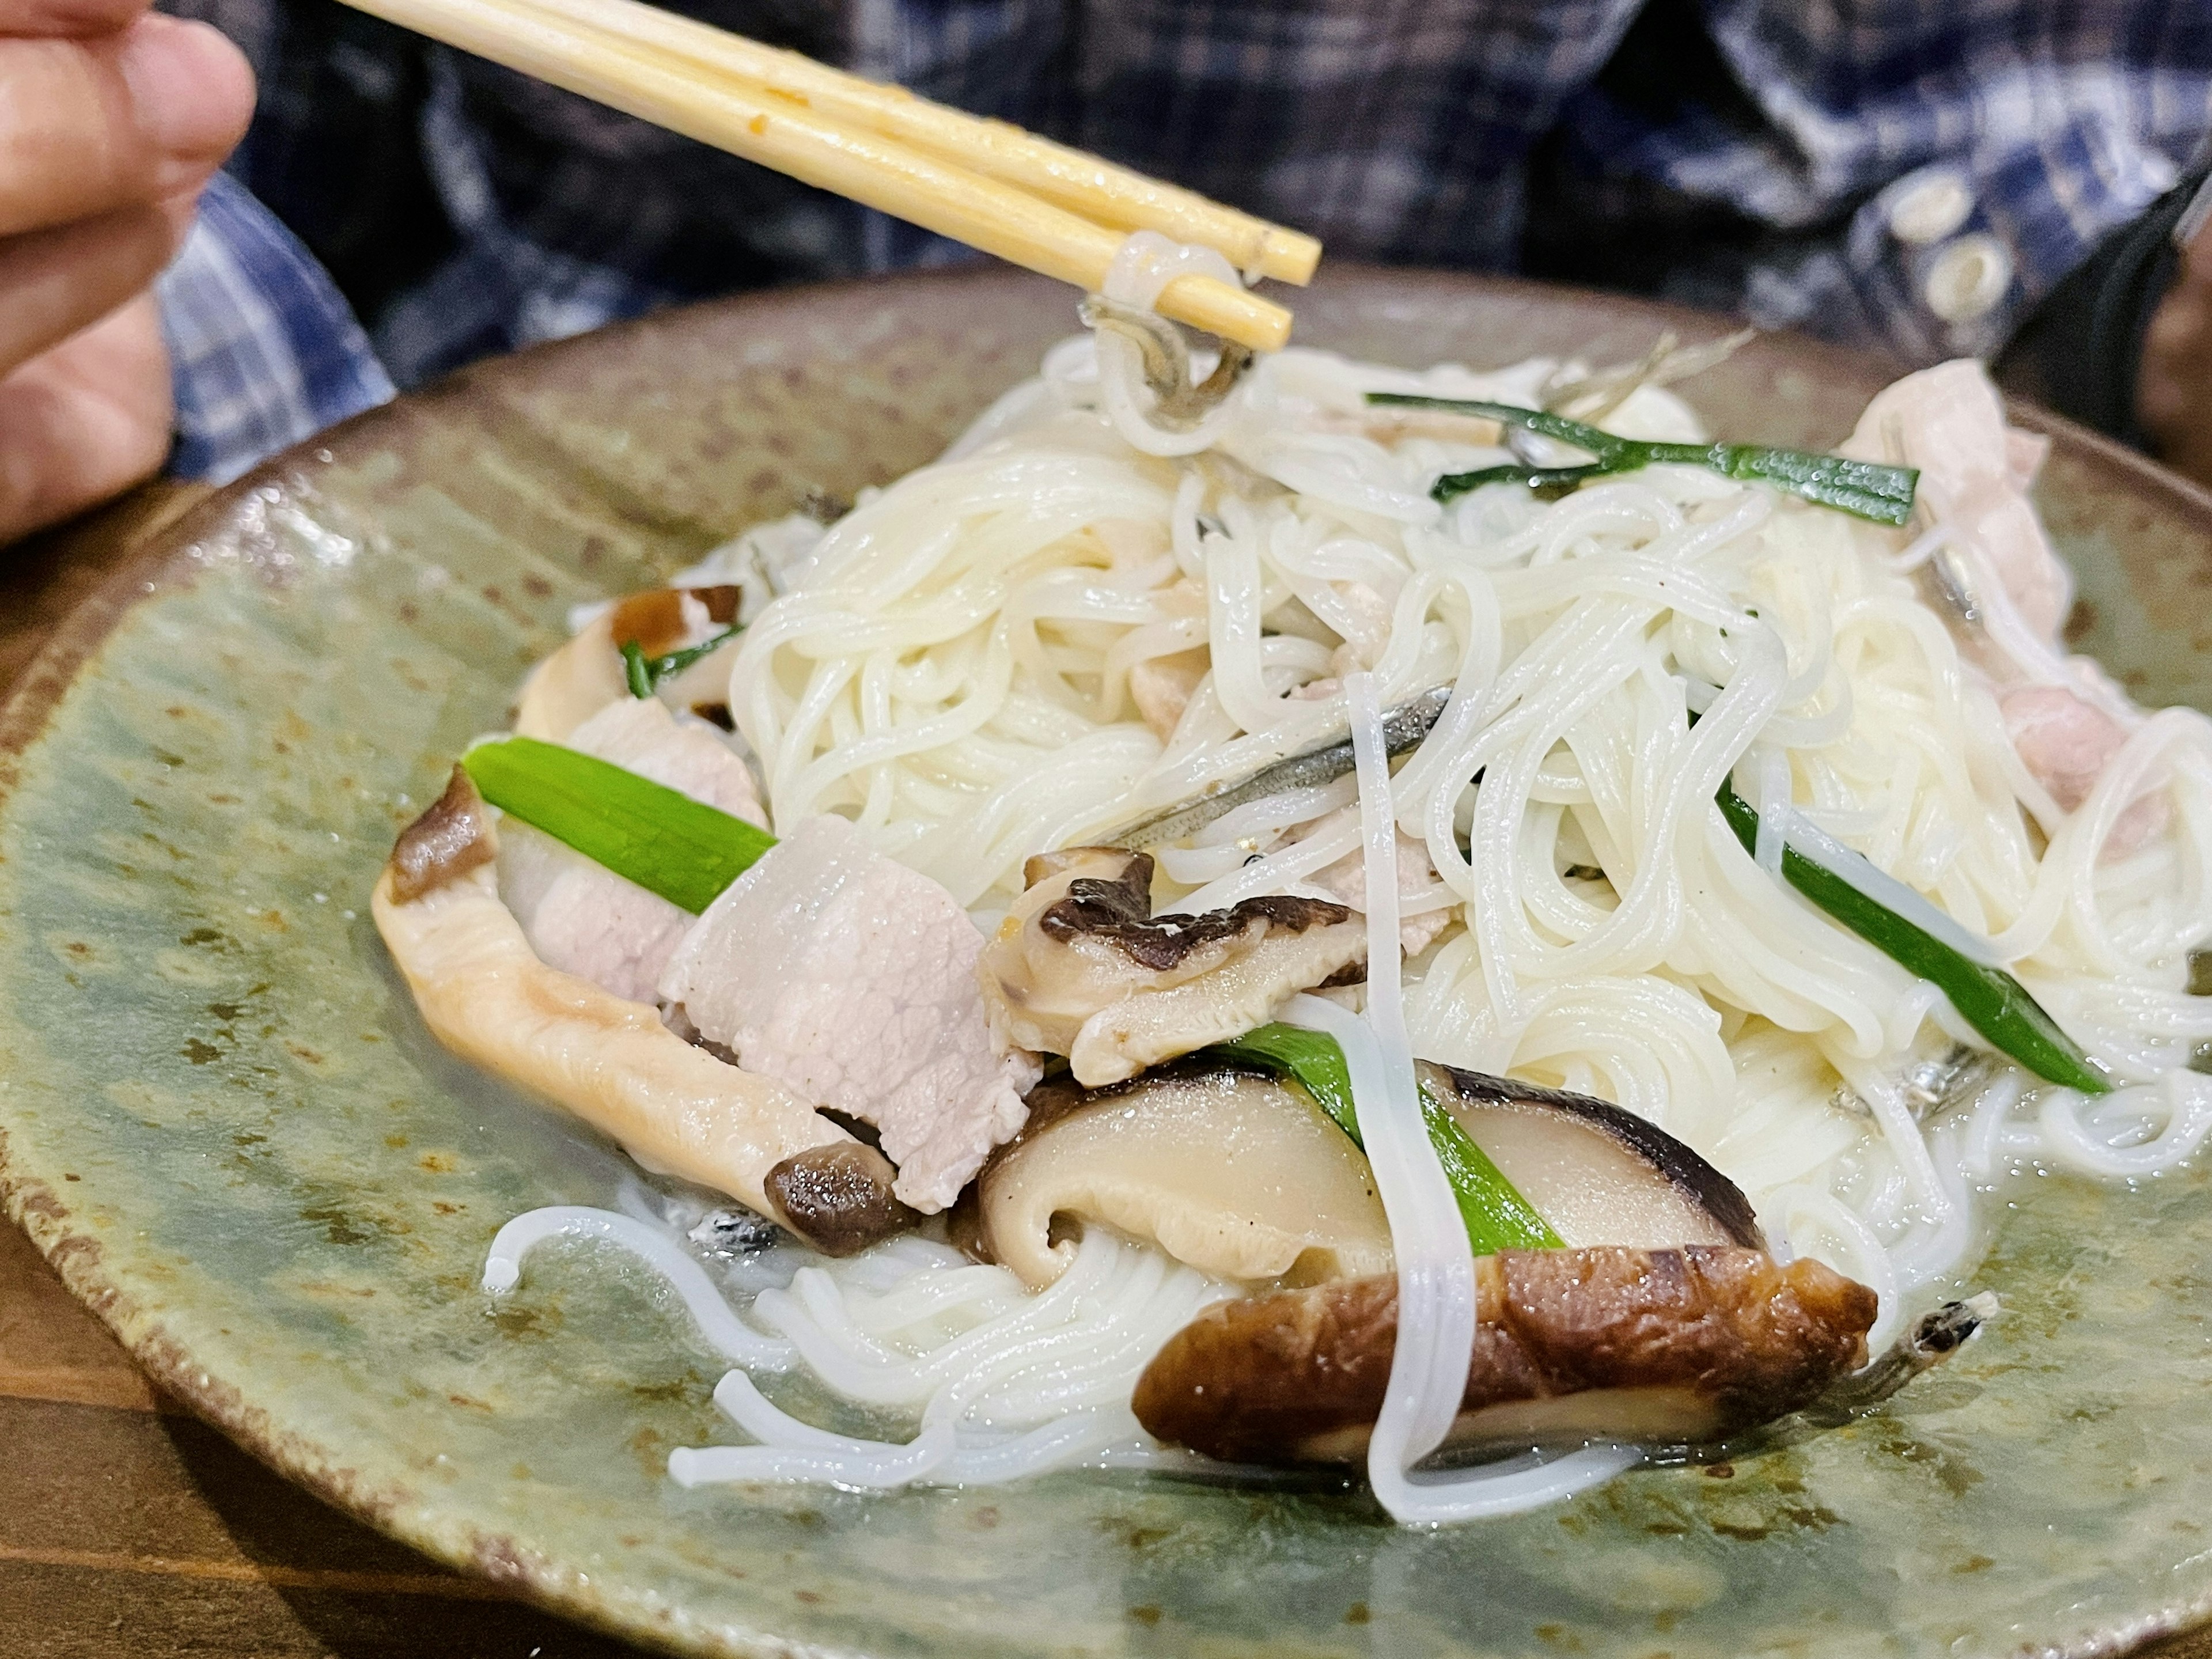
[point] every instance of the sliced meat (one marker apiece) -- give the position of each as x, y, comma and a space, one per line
1162, 687
674, 1108
1082, 968
641, 734
2066, 742
1949, 423
1417, 875
1220, 1166
1975, 476
2063, 739
1682, 1346
852, 979
580, 916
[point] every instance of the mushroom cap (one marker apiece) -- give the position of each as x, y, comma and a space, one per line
1082, 968
1674, 1346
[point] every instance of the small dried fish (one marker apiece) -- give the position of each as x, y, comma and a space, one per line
1403, 729
1929, 1085
1940, 581
725, 1235
1593, 395
1944, 578
1934, 1084
1166, 354
1597, 394
1933, 1338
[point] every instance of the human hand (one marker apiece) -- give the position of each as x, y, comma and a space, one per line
2173, 386
111, 120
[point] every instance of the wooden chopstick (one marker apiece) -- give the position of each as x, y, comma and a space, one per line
1084, 184
674, 89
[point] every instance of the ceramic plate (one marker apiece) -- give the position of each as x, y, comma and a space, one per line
221, 1120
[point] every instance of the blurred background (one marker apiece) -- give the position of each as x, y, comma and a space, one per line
2007, 178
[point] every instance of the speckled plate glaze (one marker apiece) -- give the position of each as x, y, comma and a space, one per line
221, 1120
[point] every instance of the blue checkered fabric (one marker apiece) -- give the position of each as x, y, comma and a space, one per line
1907, 177
264, 349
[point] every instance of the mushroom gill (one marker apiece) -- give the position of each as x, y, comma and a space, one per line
1675, 1347
1082, 968
1222, 1166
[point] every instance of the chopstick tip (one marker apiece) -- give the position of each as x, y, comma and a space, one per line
1291, 256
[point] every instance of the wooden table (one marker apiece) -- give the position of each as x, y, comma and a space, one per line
129, 1528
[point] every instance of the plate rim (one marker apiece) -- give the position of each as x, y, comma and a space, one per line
73, 1249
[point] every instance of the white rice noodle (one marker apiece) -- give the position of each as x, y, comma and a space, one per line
1437, 1307
1146, 264
1816, 845
729, 1335
1005, 1383
951, 666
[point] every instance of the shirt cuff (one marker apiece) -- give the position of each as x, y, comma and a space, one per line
1950, 260
264, 351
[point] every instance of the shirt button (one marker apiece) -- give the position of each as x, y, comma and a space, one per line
1966, 279
1928, 205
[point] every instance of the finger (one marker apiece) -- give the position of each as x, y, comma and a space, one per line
68, 19
53, 283
85, 421
88, 127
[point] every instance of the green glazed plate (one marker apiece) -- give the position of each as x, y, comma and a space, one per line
221, 1118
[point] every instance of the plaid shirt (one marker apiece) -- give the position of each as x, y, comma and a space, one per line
1908, 176
263, 348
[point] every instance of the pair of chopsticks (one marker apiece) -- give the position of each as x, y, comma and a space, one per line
990, 185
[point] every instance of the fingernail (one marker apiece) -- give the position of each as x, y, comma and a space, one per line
190, 88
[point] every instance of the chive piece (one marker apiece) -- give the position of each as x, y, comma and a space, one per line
658, 837
1497, 1216
1988, 998
645, 673
1865, 488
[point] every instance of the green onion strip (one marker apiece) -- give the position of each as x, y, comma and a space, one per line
659, 837
1988, 998
1866, 488
1498, 1218
644, 674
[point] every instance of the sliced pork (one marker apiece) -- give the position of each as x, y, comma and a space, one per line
1162, 688
2063, 739
1417, 875
2066, 742
1975, 476
1975, 470
852, 980
579, 916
